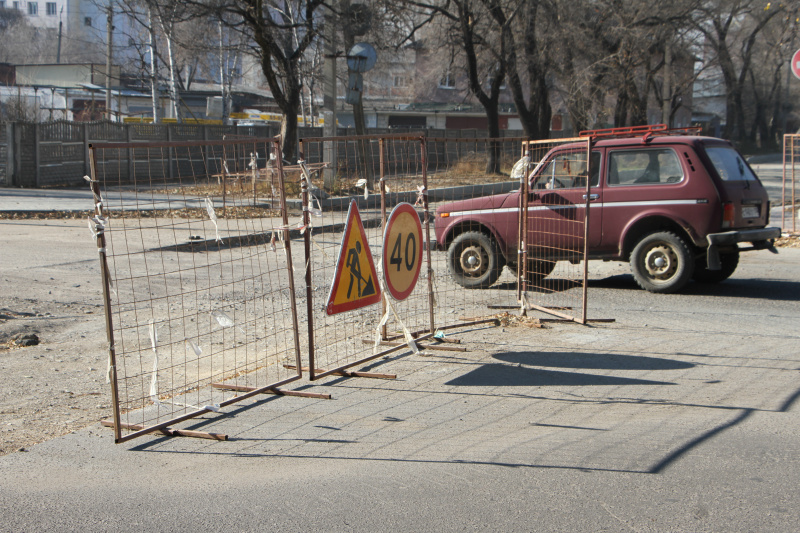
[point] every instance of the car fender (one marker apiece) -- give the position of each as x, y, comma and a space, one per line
475, 225
653, 220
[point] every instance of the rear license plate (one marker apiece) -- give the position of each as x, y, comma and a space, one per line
750, 211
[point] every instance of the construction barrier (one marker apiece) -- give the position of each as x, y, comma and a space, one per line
197, 280
555, 226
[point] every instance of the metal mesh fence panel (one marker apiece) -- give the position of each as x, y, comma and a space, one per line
197, 278
474, 205
555, 222
343, 229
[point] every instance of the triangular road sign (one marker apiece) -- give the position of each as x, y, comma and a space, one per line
355, 283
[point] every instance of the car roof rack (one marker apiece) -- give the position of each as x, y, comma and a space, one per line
647, 132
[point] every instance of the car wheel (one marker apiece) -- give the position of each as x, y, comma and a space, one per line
474, 260
729, 261
538, 269
662, 262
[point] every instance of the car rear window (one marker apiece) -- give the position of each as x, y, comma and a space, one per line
729, 164
647, 166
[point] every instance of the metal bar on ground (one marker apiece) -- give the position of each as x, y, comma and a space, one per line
171, 432
420, 346
275, 391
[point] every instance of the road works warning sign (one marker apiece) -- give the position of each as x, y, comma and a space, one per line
355, 283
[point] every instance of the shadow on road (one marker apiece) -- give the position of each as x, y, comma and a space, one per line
765, 289
500, 375
591, 361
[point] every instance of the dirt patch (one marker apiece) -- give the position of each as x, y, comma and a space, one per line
51, 370
788, 241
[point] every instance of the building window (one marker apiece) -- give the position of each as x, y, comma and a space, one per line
50, 8
2, 4
447, 81
33, 8
16, 5
399, 81
87, 21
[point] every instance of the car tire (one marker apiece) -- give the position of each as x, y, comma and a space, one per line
474, 260
662, 262
729, 261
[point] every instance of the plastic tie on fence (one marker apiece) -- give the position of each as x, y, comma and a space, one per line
97, 199
193, 345
213, 216
518, 170
109, 366
151, 328
363, 183
390, 309
225, 321
432, 276
100, 224
421, 194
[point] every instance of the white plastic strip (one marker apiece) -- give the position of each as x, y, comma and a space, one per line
154, 346
225, 321
390, 308
213, 216
363, 183
195, 348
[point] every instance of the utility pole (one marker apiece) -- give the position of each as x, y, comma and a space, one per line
109, 48
60, 32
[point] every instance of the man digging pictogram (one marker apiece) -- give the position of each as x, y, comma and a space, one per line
353, 264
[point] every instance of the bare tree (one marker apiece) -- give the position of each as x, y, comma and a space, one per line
282, 30
731, 28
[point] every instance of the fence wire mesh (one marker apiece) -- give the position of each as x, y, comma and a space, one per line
555, 221
197, 278
342, 198
378, 174
472, 199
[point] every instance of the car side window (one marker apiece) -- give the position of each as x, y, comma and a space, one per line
567, 171
649, 166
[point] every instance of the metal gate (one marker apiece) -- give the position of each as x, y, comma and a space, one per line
554, 227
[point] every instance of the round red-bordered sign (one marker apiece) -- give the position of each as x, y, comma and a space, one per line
402, 251
796, 64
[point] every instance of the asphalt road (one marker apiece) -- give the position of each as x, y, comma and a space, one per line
681, 415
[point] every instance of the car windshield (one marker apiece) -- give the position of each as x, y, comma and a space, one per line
729, 164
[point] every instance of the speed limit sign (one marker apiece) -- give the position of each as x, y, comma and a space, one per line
402, 251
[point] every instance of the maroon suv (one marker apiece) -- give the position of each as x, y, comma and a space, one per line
677, 207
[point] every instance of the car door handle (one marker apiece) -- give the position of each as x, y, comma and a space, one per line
592, 197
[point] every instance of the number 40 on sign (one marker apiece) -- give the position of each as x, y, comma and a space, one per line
402, 251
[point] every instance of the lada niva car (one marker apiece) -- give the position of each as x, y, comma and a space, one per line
676, 206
